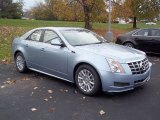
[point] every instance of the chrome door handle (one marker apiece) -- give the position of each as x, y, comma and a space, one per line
42, 49
26, 45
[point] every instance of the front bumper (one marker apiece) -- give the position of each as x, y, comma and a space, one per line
120, 82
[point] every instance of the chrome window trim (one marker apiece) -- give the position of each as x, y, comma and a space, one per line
142, 35
139, 35
27, 38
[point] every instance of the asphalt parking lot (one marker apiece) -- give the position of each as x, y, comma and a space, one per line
35, 96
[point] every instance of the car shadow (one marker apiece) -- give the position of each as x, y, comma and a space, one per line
72, 87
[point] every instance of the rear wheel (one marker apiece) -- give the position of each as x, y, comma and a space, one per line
87, 80
129, 44
20, 63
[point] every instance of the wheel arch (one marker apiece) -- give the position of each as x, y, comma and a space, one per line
18, 51
85, 63
129, 42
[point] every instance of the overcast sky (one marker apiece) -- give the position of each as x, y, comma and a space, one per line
29, 3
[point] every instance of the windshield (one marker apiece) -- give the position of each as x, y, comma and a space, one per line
80, 37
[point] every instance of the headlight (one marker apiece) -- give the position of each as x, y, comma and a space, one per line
115, 66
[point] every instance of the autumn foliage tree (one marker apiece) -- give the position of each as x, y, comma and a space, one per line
137, 9
91, 9
72, 10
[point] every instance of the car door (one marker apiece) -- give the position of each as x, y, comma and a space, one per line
54, 56
155, 36
143, 41
33, 45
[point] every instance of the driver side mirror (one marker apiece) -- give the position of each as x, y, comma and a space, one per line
57, 42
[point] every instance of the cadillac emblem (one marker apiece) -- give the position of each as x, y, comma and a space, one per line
142, 65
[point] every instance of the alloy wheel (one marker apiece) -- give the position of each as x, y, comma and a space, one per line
86, 80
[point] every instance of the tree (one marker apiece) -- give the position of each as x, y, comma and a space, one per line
119, 10
91, 8
136, 9
71, 10
142, 9
8, 9
40, 12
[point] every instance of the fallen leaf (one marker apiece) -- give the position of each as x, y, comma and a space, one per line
10, 82
3, 86
84, 98
4, 60
35, 88
51, 109
75, 92
102, 112
46, 99
31, 93
50, 91
25, 78
33, 109
65, 90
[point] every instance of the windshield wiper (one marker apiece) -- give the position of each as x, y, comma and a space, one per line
81, 44
90, 43
98, 43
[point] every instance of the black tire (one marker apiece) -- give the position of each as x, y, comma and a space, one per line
94, 79
129, 44
24, 68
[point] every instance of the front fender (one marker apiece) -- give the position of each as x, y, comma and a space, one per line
98, 62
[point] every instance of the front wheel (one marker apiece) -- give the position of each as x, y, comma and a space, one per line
87, 80
129, 44
20, 63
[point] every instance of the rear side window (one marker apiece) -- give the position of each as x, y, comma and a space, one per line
142, 33
155, 32
35, 36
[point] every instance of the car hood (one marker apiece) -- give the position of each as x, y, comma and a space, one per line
114, 51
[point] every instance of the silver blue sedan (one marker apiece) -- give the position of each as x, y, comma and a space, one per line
82, 57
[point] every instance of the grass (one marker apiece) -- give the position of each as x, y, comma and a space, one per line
10, 28
40, 23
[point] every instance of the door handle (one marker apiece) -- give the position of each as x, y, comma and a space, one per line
26, 45
42, 49
136, 38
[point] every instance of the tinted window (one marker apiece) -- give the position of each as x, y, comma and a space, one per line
155, 32
36, 35
142, 33
49, 35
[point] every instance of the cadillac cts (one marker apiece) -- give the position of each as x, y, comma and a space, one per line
82, 57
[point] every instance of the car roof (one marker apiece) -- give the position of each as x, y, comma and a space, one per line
60, 28
148, 28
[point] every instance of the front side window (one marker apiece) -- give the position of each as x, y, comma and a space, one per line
49, 36
36, 35
155, 32
142, 33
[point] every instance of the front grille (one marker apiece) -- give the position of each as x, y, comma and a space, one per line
139, 67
